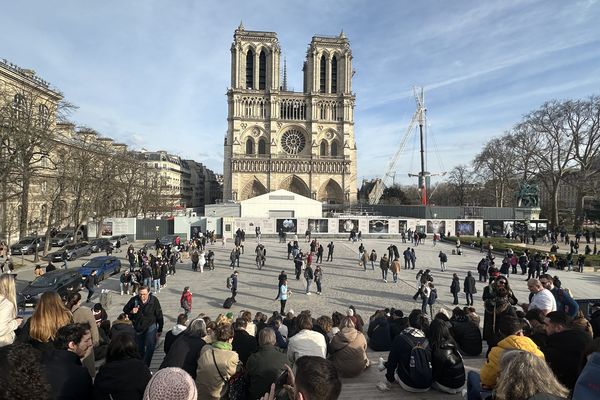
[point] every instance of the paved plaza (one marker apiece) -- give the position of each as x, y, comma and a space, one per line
344, 284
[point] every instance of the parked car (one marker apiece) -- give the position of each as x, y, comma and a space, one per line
62, 281
27, 245
124, 240
62, 238
103, 265
74, 250
168, 239
101, 244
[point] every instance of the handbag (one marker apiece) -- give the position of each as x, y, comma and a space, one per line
236, 384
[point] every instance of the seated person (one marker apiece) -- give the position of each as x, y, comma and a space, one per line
447, 365
348, 350
264, 367
514, 339
379, 332
525, 376
407, 347
564, 347
306, 342
466, 333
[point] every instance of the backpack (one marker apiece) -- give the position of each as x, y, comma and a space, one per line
228, 282
432, 297
419, 370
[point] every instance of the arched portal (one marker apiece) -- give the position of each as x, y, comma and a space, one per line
331, 193
296, 185
252, 189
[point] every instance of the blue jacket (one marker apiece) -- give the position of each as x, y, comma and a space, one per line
564, 302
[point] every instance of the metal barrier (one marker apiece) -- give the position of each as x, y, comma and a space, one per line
585, 305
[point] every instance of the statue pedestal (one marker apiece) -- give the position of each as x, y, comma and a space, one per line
527, 213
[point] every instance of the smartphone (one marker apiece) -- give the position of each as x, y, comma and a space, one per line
281, 380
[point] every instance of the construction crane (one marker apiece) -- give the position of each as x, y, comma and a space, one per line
418, 117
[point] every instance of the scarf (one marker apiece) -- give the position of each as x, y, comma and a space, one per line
222, 345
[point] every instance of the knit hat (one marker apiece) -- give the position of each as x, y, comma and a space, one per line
172, 384
229, 315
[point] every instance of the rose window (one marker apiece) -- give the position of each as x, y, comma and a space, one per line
293, 142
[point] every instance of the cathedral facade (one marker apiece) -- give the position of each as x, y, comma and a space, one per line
298, 141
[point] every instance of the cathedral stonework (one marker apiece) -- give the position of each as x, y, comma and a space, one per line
298, 141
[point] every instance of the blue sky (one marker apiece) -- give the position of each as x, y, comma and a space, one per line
154, 73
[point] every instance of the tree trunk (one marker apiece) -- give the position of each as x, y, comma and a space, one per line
554, 205
578, 222
23, 223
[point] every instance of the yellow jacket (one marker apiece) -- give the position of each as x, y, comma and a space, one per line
491, 368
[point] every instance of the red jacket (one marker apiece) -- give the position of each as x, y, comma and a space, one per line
186, 300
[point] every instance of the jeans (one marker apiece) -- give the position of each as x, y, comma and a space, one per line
308, 282
148, 283
384, 274
146, 342
474, 391
424, 304
395, 276
156, 283
318, 286
124, 287
455, 298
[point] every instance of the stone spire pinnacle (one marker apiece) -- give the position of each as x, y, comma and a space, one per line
241, 27
284, 74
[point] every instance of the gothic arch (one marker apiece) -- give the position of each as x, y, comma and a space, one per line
252, 189
249, 146
324, 148
335, 148
331, 193
262, 146
296, 185
250, 68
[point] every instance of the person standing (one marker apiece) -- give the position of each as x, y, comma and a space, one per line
413, 258
309, 276
373, 258
406, 255
455, 288
318, 276
469, 288
186, 301
65, 258
320, 253
364, 259
91, 283
443, 259
395, 268
384, 264
234, 285
298, 261
330, 248
195, 257
145, 312
283, 295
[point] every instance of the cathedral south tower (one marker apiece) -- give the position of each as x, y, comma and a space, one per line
278, 139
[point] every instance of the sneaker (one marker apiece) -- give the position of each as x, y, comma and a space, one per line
381, 364
121, 293
319, 293
385, 280
308, 293
384, 386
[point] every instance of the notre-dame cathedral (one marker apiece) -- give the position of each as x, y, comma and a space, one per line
279, 139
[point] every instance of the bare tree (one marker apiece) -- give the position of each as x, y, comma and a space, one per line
494, 168
460, 179
548, 127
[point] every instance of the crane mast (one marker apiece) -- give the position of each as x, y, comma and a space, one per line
417, 117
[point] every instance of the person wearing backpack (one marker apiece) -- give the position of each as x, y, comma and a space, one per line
443, 260
448, 370
409, 360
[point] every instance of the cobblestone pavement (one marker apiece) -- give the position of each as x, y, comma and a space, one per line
344, 284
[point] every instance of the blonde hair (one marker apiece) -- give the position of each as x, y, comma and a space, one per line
525, 375
49, 316
8, 289
325, 322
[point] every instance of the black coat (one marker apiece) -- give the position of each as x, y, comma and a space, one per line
563, 352
119, 328
469, 285
244, 344
148, 314
447, 366
397, 325
67, 377
122, 380
467, 335
379, 334
455, 286
184, 354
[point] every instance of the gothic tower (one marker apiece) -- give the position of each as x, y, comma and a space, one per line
277, 139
